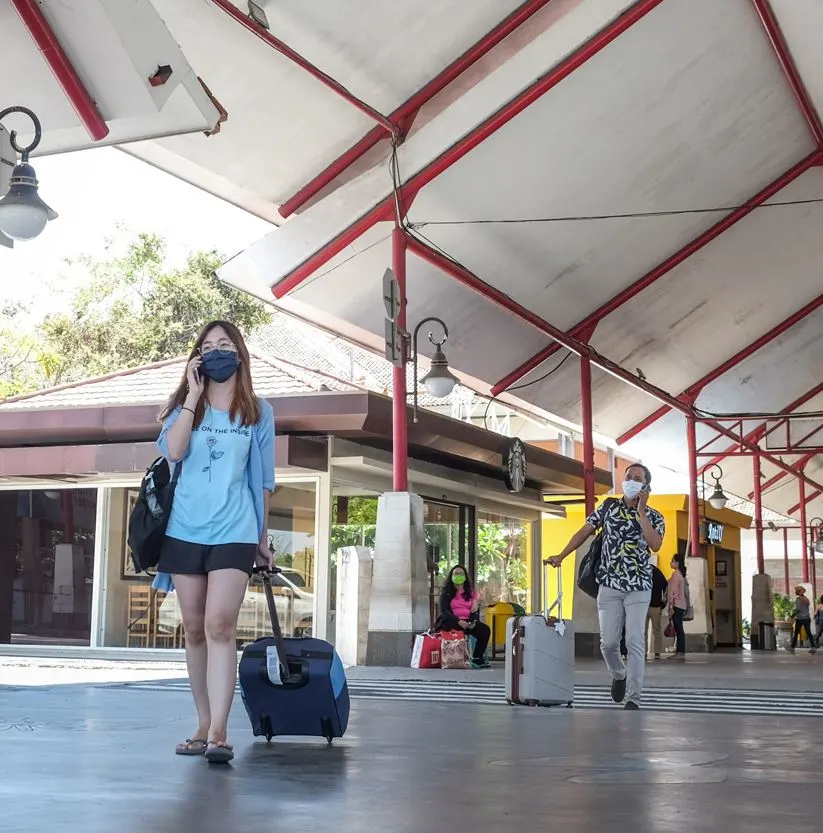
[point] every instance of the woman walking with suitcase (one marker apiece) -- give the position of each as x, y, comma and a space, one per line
223, 437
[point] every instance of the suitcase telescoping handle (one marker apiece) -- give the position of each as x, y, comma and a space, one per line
280, 645
558, 602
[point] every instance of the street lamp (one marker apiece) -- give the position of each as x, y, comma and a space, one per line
23, 215
439, 382
718, 499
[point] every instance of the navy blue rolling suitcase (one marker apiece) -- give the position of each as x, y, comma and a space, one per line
311, 697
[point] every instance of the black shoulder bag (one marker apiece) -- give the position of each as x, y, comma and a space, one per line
590, 563
150, 515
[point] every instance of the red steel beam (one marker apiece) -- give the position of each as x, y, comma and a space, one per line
400, 416
507, 303
784, 56
275, 43
758, 433
773, 481
588, 433
758, 514
626, 295
691, 392
804, 501
467, 143
63, 69
809, 498
409, 108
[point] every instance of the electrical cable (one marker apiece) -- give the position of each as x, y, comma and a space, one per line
629, 215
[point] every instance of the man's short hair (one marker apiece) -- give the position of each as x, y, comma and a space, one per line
646, 473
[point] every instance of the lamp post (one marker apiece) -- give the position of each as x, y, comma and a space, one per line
439, 382
23, 214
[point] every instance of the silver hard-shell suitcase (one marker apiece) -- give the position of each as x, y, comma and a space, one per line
540, 658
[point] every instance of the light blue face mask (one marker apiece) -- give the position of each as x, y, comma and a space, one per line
632, 488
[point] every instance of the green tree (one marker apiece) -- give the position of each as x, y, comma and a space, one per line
24, 362
132, 310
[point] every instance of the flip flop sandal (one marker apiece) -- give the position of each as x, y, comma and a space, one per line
192, 747
219, 753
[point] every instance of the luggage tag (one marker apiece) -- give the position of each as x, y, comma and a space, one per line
273, 669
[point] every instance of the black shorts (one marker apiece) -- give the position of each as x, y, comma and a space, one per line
189, 559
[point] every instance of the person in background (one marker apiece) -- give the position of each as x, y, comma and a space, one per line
818, 620
657, 605
460, 610
632, 530
678, 601
802, 619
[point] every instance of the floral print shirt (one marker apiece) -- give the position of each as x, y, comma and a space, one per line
625, 563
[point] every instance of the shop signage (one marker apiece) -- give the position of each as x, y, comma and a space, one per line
514, 465
714, 532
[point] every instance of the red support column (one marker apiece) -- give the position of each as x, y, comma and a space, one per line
804, 529
758, 514
588, 439
400, 417
694, 518
786, 557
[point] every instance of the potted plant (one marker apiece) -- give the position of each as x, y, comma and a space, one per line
783, 606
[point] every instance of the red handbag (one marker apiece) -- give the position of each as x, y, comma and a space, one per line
426, 651
670, 632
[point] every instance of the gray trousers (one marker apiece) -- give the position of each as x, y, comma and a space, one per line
615, 610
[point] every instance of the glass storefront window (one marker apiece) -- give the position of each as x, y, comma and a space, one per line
503, 560
136, 616
49, 546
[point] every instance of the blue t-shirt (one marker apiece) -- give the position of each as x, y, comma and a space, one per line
213, 503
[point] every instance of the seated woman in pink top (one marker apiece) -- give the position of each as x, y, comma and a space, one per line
460, 610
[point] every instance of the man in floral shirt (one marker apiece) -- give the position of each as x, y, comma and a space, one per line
631, 532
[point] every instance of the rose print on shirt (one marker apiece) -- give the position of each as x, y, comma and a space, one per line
214, 454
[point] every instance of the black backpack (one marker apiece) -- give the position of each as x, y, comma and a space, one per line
150, 515
590, 563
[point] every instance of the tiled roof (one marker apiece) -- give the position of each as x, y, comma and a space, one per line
153, 383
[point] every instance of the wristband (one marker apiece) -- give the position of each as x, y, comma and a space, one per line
184, 408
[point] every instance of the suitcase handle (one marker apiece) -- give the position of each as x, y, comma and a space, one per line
558, 602
280, 646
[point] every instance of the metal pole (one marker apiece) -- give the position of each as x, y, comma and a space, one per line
758, 515
694, 518
588, 439
400, 438
804, 530
786, 557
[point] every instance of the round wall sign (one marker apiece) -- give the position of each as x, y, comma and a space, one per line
514, 465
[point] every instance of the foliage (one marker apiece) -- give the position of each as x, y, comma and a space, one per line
361, 527
783, 605
133, 310
501, 567
24, 362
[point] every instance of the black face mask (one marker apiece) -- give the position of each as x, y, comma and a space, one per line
220, 367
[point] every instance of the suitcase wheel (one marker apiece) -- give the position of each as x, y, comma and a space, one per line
265, 725
326, 728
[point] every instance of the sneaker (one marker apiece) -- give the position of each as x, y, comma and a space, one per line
631, 706
479, 663
619, 690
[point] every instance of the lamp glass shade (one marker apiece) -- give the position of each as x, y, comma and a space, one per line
23, 215
439, 382
718, 500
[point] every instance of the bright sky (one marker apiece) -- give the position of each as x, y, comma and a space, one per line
104, 194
